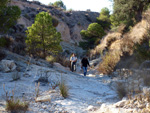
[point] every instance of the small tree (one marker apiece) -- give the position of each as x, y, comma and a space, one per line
8, 15
42, 35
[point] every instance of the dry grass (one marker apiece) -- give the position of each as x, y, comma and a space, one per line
15, 105
63, 89
105, 43
121, 90
37, 89
108, 63
127, 46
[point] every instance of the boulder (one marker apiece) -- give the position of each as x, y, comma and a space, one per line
8, 65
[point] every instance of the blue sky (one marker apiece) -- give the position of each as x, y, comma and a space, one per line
82, 5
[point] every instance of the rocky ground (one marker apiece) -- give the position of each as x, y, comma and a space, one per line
86, 94
93, 94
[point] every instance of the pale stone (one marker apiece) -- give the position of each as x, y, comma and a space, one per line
8, 65
43, 98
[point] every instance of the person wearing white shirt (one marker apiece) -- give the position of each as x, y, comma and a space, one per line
73, 60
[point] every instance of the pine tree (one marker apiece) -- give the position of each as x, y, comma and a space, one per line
8, 15
42, 35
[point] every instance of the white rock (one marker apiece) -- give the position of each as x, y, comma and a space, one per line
8, 65
43, 98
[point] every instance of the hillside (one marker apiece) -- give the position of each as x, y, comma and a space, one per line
70, 22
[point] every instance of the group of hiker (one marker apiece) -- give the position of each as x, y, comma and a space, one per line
84, 63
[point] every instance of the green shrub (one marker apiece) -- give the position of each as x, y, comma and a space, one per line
63, 89
92, 35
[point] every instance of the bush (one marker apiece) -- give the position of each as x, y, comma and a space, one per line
63, 89
108, 63
92, 35
16, 106
121, 90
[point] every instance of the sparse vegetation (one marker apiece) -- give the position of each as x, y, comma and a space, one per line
37, 89
15, 105
63, 89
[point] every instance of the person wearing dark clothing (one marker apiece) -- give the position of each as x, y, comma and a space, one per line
85, 63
